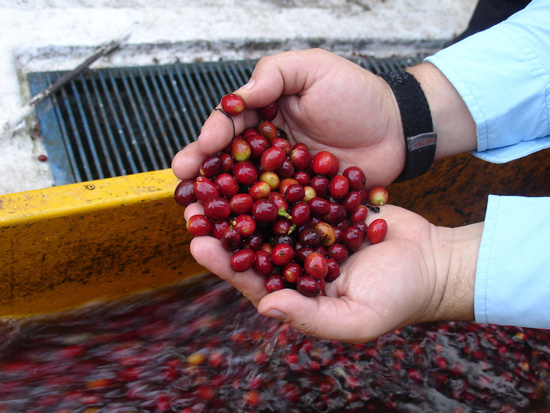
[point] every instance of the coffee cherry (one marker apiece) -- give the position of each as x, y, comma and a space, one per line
211, 166
282, 254
245, 173
300, 213
286, 170
242, 260
264, 211
315, 265
292, 272
204, 189
269, 112
245, 225
217, 208
279, 201
240, 149
356, 178
282, 144
241, 204
377, 231
285, 183
351, 201
272, 179
263, 263
300, 157
320, 184
259, 190
272, 159
336, 214
308, 286
295, 193
302, 253
333, 270
302, 177
361, 225
309, 237
232, 104
360, 214
282, 226
274, 282
183, 194
227, 185
267, 130
326, 233
231, 239
219, 227
353, 238
309, 193
199, 225
258, 145
255, 242
323, 163
319, 206
378, 195
339, 186
227, 162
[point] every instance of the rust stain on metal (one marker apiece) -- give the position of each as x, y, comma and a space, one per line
65, 246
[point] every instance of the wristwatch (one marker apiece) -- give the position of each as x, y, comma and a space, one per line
420, 138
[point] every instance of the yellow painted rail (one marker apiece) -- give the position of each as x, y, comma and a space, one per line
65, 246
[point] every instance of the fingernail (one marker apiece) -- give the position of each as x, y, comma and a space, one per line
249, 85
274, 313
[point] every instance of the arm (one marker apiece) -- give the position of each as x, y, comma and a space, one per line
503, 76
512, 282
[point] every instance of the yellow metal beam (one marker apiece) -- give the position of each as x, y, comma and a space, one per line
64, 246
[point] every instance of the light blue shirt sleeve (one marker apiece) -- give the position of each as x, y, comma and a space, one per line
503, 76
512, 285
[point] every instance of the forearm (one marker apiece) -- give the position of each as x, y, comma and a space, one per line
453, 123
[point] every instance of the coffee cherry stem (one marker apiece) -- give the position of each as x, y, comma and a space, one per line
284, 214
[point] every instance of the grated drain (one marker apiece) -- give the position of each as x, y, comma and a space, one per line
120, 121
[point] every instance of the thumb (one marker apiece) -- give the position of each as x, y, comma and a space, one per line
323, 317
285, 73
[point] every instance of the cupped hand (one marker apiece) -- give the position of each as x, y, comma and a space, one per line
407, 278
326, 102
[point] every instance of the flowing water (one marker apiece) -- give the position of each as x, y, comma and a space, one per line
202, 347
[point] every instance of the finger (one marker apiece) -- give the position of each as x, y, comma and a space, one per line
193, 209
209, 253
323, 317
185, 164
220, 128
280, 74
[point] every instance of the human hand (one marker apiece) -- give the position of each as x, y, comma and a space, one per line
326, 102
419, 273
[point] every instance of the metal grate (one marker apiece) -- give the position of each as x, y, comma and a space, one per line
120, 121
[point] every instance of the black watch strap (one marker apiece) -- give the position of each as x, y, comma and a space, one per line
420, 139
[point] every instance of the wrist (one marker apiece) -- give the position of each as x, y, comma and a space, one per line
454, 297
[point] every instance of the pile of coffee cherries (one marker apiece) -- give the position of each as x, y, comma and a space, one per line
203, 347
280, 210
